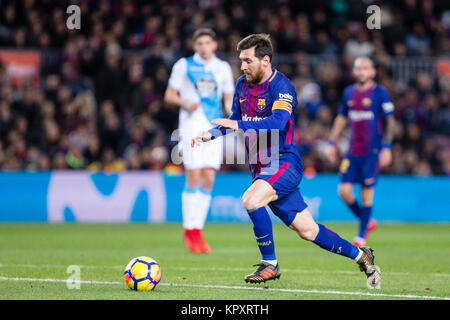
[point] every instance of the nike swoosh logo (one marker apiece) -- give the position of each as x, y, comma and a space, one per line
262, 237
242, 100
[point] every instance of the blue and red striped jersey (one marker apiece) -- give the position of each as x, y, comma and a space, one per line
261, 108
365, 111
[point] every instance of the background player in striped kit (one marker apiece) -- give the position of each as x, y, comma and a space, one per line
198, 84
365, 104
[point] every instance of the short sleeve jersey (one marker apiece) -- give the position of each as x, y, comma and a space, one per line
203, 82
365, 111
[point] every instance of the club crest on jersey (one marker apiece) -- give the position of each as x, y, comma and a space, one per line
350, 103
366, 102
261, 104
206, 86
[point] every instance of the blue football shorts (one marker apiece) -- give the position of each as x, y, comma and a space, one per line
285, 180
360, 169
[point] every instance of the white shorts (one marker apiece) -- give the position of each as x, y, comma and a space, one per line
208, 154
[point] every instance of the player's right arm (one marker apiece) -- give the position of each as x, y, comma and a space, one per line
176, 80
172, 96
339, 125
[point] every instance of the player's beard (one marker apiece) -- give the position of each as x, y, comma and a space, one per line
363, 80
259, 74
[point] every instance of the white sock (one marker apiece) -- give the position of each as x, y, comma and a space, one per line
188, 204
272, 262
359, 255
359, 240
202, 207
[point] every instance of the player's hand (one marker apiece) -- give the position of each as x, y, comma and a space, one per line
226, 123
203, 136
385, 157
191, 107
331, 153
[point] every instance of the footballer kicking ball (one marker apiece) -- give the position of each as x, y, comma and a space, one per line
142, 274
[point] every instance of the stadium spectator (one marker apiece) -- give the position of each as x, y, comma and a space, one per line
100, 106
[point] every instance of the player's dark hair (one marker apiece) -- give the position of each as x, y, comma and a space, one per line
261, 42
204, 32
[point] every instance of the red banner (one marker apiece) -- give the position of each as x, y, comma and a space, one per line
22, 65
443, 67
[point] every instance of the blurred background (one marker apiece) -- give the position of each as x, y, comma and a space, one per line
94, 96
92, 99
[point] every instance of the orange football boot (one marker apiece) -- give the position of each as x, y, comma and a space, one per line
204, 247
370, 227
190, 241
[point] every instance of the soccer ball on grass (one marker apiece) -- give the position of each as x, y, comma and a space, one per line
142, 274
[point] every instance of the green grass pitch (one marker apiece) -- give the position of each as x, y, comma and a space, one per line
414, 260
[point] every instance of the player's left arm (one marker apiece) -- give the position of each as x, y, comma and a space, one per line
282, 108
386, 153
228, 88
277, 121
388, 135
228, 102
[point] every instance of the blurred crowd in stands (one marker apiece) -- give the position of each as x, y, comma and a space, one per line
99, 104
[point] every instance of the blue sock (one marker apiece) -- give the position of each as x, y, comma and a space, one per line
187, 188
262, 227
356, 209
204, 191
329, 240
366, 213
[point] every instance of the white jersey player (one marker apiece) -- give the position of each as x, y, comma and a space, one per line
198, 84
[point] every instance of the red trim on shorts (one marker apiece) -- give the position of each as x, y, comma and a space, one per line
289, 132
279, 172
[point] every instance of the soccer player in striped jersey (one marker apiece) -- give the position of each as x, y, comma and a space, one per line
198, 84
366, 105
264, 105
